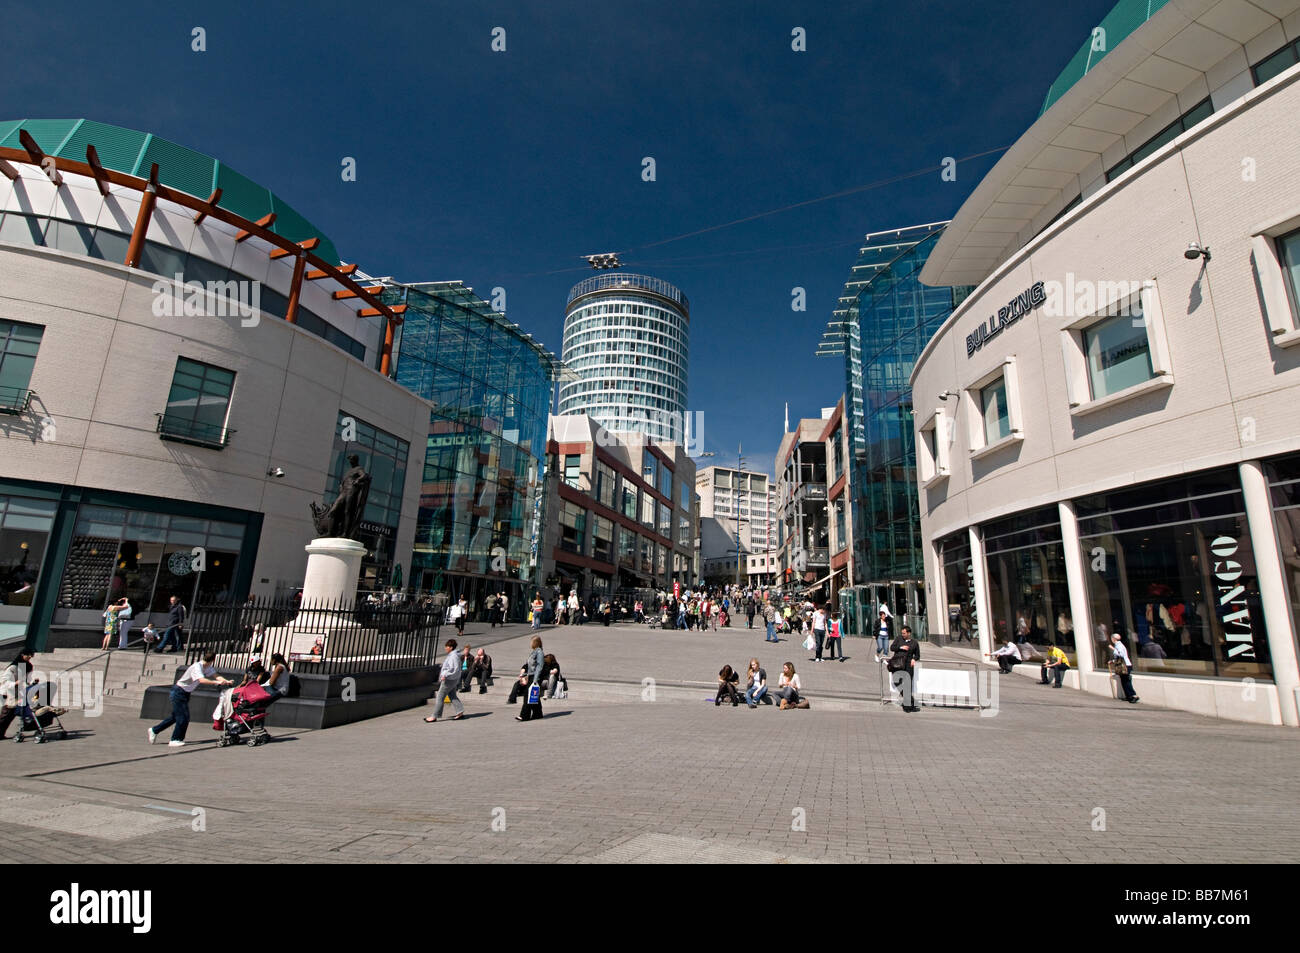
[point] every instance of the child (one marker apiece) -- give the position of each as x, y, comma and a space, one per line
833, 642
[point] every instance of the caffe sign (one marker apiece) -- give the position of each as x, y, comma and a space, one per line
1010, 313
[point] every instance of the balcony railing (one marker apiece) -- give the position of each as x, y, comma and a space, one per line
15, 400
185, 430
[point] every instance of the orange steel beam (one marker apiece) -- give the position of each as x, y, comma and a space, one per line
213, 199
295, 288
342, 270
386, 362
92, 160
37, 155
8, 171
307, 245
339, 273
373, 289
142, 219
396, 309
266, 221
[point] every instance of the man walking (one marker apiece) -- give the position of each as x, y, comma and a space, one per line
449, 684
750, 609
503, 604
200, 673
769, 616
175, 621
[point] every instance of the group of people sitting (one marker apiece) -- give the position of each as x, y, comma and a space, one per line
1054, 664
788, 688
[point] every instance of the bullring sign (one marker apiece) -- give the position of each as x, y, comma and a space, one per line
1010, 313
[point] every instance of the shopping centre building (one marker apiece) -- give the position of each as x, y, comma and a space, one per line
184, 366
1106, 426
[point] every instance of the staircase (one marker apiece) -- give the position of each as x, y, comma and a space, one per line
79, 675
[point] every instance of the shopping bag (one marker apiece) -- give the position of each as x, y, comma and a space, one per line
534, 693
809, 643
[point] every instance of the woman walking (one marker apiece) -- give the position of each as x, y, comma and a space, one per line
449, 684
538, 606
533, 674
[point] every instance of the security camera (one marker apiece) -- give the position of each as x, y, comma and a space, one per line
278, 473
1195, 251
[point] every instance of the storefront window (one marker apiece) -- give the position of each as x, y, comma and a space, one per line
1029, 598
1170, 567
959, 583
1284, 487
24, 535
626, 548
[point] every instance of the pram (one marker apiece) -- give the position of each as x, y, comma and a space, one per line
38, 720
247, 716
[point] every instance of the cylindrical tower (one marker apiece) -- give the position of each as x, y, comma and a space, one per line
626, 337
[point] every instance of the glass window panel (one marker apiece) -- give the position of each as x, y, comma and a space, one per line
997, 422
1118, 355
110, 245
1288, 247
23, 229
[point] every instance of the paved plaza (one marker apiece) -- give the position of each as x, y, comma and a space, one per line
611, 776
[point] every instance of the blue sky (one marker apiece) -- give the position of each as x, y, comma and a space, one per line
502, 168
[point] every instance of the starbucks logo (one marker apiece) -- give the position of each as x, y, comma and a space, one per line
179, 564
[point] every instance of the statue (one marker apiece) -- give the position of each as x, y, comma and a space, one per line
342, 518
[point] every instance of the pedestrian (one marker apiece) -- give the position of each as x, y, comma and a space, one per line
751, 609
818, 631
1056, 665
575, 614
13, 685
490, 605
459, 611
769, 616
449, 684
175, 626
884, 633
756, 687
503, 607
904, 653
1008, 657
640, 612
1121, 666
200, 673
532, 708
112, 621
538, 606
834, 643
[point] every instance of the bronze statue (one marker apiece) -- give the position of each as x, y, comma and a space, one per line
342, 518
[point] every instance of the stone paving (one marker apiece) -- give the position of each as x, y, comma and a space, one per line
613, 778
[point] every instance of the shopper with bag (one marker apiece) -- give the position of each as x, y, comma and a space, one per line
532, 675
833, 634
818, 632
904, 653
1121, 667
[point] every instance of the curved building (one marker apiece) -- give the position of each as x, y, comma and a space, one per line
1106, 426
627, 338
184, 367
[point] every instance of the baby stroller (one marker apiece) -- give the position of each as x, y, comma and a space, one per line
247, 717
39, 719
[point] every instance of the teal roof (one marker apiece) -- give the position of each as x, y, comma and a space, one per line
132, 152
1123, 19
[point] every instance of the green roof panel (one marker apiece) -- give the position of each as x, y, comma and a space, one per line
1125, 17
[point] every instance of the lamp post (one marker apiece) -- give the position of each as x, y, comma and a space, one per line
740, 468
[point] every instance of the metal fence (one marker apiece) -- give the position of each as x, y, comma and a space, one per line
328, 638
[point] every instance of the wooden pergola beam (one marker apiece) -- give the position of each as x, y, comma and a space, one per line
345, 270
306, 245
373, 289
38, 156
8, 171
213, 199
92, 160
265, 222
142, 219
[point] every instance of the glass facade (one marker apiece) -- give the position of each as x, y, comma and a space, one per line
959, 585
1029, 598
384, 457
885, 318
18, 346
1171, 568
1284, 487
490, 386
25, 527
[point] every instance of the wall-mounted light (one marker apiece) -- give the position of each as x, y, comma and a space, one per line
946, 394
277, 472
1195, 251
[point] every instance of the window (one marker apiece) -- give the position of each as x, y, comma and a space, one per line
686, 495
629, 500
1119, 355
18, 346
626, 548
648, 510
198, 405
666, 481
1029, 597
1275, 251
1276, 63
665, 521
932, 451
993, 406
573, 470
573, 527
605, 485
1187, 120
602, 536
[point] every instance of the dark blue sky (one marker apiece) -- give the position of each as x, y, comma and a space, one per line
500, 169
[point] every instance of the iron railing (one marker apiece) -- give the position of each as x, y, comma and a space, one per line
185, 430
15, 400
343, 636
